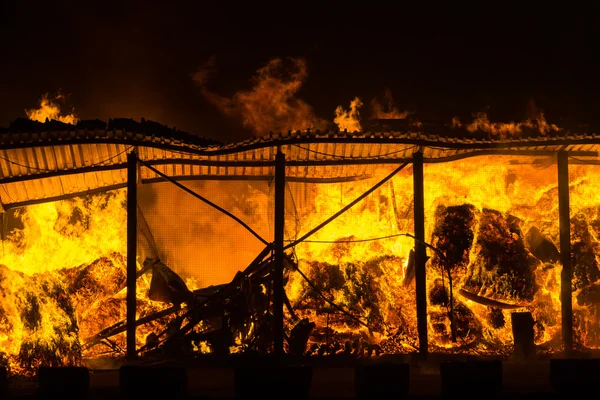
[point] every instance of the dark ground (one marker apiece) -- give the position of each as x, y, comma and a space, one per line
331, 380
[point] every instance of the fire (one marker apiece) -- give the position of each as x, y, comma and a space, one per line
387, 109
511, 208
50, 109
63, 270
272, 103
62, 278
349, 120
481, 123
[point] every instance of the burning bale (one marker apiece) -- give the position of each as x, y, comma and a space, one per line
584, 249
502, 268
38, 321
484, 259
453, 236
586, 274
356, 286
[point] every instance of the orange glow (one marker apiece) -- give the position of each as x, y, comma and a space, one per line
50, 109
62, 273
349, 119
509, 199
272, 103
62, 279
481, 123
386, 109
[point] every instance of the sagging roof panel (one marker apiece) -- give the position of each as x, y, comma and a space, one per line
43, 165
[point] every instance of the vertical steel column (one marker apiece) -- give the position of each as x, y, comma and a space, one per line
278, 249
131, 252
566, 276
420, 255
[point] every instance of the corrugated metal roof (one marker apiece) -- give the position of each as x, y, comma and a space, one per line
48, 165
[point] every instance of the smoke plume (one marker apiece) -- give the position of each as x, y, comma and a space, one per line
271, 105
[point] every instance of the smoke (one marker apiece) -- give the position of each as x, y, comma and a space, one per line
272, 103
388, 109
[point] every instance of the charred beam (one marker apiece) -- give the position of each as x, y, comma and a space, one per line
566, 290
131, 251
278, 291
488, 302
420, 254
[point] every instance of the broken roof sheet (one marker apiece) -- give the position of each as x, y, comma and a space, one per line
45, 162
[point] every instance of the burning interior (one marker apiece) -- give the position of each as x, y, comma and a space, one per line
362, 240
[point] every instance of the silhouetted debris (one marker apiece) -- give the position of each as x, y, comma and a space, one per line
438, 293
467, 326
541, 247
453, 236
503, 269
91, 124
583, 249
166, 285
523, 333
409, 276
26, 125
496, 318
299, 336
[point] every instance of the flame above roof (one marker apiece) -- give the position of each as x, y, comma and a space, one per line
49, 161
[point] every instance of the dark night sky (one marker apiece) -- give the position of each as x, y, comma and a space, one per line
135, 59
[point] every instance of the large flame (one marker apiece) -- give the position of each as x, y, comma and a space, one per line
62, 272
512, 205
50, 109
273, 105
62, 279
482, 123
349, 120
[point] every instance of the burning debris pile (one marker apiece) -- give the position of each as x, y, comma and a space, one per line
486, 265
38, 321
54, 316
347, 294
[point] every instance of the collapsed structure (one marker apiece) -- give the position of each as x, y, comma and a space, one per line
459, 268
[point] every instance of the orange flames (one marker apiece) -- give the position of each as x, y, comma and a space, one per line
62, 279
50, 109
386, 109
368, 278
62, 273
349, 120
481, 123
272, 104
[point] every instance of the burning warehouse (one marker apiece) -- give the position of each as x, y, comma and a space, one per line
131, 239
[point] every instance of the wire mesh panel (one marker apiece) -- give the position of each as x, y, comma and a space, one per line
355, 281
198, 241
494, 223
